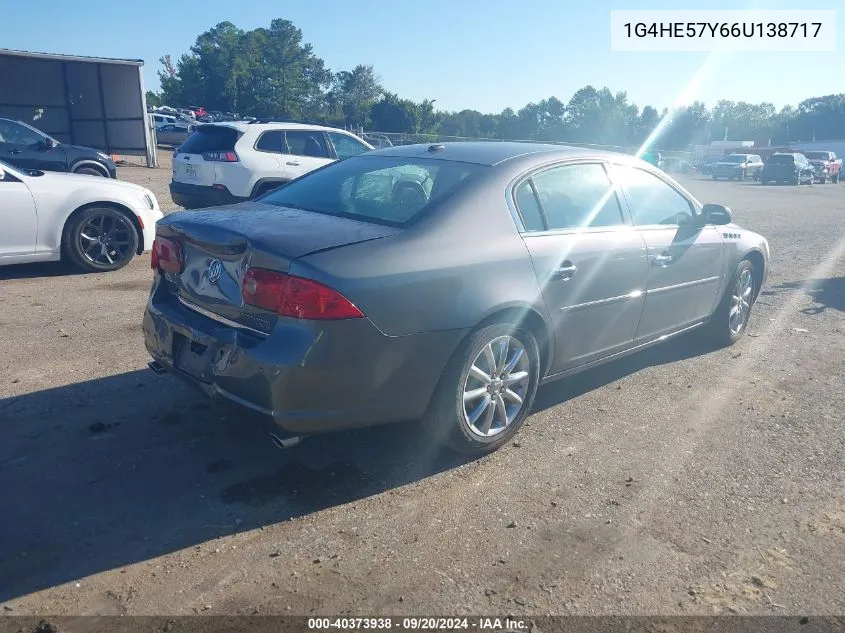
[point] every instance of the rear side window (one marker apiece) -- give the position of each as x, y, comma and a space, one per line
380, 189
578, 196
210, 138
529, 208
301, 143
270, 142
781, 159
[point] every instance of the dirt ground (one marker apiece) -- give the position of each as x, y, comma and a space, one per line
679, 481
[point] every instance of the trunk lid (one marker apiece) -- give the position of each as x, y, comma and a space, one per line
219, 245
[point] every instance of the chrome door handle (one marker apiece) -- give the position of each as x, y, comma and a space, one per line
662, 260
292, 163
566, 272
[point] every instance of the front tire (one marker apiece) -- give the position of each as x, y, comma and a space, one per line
486, 391
730, 320
100, 239
90, 171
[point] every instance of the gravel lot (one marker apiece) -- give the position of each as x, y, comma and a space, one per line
679, 481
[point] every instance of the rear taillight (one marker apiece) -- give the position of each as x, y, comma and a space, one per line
166, 256
221, 157
295, 296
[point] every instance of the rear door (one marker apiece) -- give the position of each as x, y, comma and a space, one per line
202, 153
685, 259
307, 150
18, 218
590, 263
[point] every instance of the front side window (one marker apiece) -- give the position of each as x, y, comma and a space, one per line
381, 189
346, 146
17, 134
651, 200
577, 196
311, 144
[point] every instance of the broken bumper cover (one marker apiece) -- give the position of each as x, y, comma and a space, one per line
309, 377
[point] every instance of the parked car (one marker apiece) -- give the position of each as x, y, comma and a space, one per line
377, 140
791, 168
654, 158
228, 162
25, 147
737, 167
826, 165
337, 302
160, 120
96, 223
705, 166
173, 134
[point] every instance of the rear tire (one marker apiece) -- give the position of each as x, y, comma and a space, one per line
266, 187
730, 320
100, 239
478, 406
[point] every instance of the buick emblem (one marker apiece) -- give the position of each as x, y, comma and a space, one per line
215, 269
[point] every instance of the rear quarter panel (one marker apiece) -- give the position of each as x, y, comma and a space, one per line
451, 271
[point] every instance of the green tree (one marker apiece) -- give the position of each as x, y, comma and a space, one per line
153, 99
358, 90
392, 114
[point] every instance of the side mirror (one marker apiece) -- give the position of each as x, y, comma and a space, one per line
716, 214
49, 143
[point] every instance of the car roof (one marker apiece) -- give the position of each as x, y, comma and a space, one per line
490, 153
243, 126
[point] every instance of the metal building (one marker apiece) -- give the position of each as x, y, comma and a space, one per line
90, 101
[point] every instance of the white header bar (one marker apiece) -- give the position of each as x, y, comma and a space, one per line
697, 31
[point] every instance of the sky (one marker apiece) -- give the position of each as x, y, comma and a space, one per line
479, 54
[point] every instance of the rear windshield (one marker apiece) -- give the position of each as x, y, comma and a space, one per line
735, 158
381, 189
210, 138
817, 155
781, 159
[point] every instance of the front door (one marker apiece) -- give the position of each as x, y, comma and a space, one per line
25, 148
17, 217
590, 263
685, 259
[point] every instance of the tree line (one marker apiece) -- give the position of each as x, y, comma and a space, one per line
273, 72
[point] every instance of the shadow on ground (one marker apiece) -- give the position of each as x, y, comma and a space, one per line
105, 473
39, 270
825, 293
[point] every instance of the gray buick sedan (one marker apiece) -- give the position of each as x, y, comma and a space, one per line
441, 283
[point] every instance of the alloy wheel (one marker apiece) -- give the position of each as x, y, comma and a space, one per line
741, 302
106, 239
496, 386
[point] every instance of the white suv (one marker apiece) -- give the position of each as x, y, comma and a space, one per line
233, 161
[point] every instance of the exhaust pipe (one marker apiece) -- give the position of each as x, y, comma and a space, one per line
287, 442
157, 367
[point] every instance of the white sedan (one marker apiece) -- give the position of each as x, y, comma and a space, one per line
99, 224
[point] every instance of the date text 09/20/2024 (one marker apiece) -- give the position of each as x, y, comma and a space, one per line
418, 623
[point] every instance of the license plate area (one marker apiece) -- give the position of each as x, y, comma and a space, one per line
190, 356
191, 171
